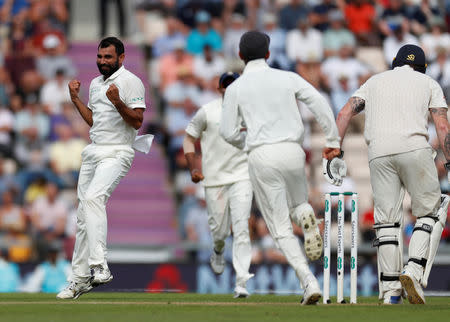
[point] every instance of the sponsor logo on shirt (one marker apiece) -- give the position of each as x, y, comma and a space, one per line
137, 99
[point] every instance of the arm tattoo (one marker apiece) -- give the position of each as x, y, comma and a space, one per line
441, 112
357, 104
447, 145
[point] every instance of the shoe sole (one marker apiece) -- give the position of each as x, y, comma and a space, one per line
82, 292
98, 283
313, 240
408, 285
217, 272
313, 299
241, 296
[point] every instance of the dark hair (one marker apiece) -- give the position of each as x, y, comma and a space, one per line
254, 45
116, 42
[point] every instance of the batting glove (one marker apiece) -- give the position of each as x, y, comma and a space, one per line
334, 170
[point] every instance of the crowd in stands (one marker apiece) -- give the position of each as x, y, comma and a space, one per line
334, 44
41, 138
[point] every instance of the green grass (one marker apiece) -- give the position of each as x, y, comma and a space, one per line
132, 307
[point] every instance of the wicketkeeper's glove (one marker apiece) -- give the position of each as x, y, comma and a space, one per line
334, 170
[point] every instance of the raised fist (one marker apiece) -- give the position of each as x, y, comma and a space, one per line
74, 89
113, 94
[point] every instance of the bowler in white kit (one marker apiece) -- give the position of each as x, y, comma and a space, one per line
397, 104
228, 190
263, 101
114, 113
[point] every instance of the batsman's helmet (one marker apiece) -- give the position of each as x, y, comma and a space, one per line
410, 55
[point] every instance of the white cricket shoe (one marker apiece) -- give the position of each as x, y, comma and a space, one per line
393, 297
100, 275
74, 290
313, 240
240, 292
312, 293
412, 287
217, 262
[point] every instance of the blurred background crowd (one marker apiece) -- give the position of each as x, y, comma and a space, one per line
186, 45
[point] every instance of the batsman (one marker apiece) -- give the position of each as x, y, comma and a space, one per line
397, 104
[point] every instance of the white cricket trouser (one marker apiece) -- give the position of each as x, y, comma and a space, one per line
277, 173
229, 206
416, 172
390, 176
102, 167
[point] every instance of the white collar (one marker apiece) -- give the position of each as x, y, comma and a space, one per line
115, 75
255, 64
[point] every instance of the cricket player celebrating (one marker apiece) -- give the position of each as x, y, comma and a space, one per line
228, 190
397, 104
114, 113
264, 101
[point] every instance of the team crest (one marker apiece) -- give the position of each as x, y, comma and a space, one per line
410, 57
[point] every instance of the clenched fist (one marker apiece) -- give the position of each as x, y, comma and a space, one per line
196, 176
113, 94
74, 89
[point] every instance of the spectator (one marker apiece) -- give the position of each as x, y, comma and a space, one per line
203, 34
437, 37
167, 43
6, 87
304, 43
208, 66
171, 63
231, 39
277, 46
399, 37
347, 65
14, 225
341, 94
394, 13
54, 60
9, 274
182, 101
320, 15
337, 35
53, 11
54, 93
50, 276
48, 219
65, 155
360, 16
290, 14
31, 127
7, 179
423, 15
11, 8
440, 71
104, 16
6, 128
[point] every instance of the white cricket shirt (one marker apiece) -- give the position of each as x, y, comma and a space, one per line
265, 99
108, 125
396, 110
222, 163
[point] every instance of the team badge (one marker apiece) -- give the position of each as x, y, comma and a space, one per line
410, 57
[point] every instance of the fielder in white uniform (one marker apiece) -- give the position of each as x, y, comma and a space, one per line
396, 104
264, 101
228, 190
115, 113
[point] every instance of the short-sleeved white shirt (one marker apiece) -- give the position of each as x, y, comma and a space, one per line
108, 125
396, 110
222, 163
